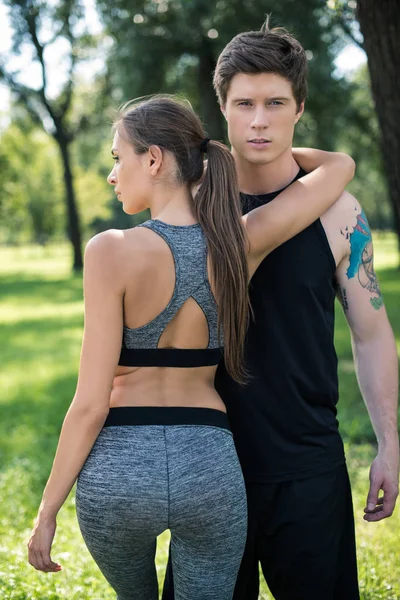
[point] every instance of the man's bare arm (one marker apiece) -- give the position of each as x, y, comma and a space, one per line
375, 357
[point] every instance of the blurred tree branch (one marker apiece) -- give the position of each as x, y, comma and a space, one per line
343, 15
27, 19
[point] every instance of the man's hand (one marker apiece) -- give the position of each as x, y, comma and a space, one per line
383, 475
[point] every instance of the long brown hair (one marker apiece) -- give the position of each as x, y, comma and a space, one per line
172, 125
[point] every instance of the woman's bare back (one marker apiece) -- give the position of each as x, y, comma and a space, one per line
150, 272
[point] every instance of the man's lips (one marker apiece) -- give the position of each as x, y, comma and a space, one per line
259, 143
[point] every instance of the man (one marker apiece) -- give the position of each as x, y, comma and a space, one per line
301, 526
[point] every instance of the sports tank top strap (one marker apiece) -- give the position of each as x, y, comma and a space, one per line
188, 247
189, 250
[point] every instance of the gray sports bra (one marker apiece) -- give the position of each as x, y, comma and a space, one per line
188, 246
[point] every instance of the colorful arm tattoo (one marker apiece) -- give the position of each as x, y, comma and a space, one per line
361, 259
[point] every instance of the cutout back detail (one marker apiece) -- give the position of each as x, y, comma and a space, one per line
191, 315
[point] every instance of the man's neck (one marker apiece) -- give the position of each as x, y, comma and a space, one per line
266, 178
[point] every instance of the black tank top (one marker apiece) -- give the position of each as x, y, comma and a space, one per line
284, 420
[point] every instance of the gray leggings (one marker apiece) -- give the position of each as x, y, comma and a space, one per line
153, 469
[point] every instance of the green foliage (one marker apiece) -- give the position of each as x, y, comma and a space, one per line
41, 326
360, 137
170, 50
37, 26
30, 193
93, 194
170, 46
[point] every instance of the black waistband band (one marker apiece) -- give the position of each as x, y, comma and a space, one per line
166, 415
169, 357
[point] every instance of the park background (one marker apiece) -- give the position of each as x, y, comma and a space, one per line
65, 67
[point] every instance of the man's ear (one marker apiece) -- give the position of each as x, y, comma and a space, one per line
223, 110
299, 112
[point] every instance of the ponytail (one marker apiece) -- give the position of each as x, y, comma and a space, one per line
173, 126
218, 211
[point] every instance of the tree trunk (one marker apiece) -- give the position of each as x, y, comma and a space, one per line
73, 224
210, 111
380, 26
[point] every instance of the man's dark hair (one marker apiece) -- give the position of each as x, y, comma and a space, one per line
264, 51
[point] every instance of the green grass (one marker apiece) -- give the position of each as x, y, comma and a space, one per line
40, 332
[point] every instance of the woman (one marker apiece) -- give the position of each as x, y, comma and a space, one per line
146, 432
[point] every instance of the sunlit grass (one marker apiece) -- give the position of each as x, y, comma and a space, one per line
41, 318
385, 250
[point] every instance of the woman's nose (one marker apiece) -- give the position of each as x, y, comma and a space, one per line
112, 180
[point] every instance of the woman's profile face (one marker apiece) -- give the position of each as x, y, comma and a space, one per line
129, 176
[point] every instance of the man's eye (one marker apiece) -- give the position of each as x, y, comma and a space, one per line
276, 103
245, 103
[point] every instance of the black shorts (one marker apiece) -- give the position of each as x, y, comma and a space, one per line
302, 534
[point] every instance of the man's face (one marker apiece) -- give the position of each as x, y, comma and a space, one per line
261, 113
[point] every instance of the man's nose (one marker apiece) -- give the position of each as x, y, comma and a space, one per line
260, 120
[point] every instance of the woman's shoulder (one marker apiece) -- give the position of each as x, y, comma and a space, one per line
138, 246
105, 245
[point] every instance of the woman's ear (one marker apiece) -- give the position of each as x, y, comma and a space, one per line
155, 159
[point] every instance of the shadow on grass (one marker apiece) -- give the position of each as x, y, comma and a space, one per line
39, 290
49, 339
39, 360
30, 423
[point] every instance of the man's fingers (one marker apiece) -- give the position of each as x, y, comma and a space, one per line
379, 503
384, 508
389, 502
377, 516
372, 498
376, 510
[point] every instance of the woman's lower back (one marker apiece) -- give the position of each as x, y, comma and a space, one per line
161, 386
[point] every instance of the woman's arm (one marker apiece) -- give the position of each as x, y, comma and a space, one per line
301, 203
89, 408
